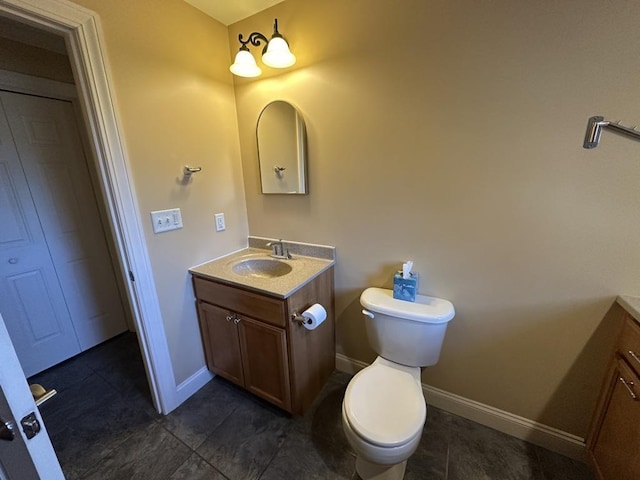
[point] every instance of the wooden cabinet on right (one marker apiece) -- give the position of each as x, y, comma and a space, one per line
613, 442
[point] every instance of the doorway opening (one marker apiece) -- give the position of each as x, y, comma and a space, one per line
59, 292
80, 31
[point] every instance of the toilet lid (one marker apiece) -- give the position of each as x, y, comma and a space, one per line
385, 406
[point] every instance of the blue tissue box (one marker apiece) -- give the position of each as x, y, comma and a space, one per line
405, 288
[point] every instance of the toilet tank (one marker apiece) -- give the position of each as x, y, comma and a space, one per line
409, 333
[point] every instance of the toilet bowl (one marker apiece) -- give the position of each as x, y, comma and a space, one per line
383, 414
384, 410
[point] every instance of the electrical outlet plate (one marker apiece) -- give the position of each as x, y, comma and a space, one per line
165, 220
220, 225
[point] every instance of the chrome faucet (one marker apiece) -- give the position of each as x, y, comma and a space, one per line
279, 247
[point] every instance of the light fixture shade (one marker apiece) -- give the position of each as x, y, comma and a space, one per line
278, 54
245, 65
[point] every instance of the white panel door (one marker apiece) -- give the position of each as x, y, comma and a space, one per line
31, 299
21, 458
49, 146
48, 143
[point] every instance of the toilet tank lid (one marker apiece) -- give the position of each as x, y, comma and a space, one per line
424, 309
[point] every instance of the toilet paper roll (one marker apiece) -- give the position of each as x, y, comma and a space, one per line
315, 315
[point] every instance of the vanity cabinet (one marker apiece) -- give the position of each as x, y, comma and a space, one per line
250, 339
248, 352
613, 442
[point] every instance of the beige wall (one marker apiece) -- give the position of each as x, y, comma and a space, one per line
175, 101
450, 133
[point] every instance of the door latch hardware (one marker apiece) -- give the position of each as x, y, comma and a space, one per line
6, 430
30, 425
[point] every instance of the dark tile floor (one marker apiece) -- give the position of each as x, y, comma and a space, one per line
103, 426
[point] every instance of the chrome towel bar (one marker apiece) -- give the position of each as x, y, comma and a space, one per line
595, 126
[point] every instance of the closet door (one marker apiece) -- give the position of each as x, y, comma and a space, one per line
31, 300
47, 142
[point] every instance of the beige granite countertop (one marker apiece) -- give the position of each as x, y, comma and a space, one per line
631, 305
303, 270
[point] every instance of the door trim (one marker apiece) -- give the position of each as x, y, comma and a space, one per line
20, 83
85, 45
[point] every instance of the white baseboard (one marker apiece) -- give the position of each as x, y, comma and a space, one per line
191, 385
514, 425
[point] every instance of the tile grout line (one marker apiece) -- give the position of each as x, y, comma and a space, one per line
118, 444
446, 463
215, 429
274, 455
193, 451
211, 465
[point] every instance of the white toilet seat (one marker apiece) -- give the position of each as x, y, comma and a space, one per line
376, 454
384, 404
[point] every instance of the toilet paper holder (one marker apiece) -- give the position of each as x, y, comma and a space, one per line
296, 317
311, 318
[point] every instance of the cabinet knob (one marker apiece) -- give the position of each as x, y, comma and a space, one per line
229, 317
236, 321
13, 261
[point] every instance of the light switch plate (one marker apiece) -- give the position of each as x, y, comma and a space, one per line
165, 220
220, 225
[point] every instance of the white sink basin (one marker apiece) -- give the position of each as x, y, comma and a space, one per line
261, 268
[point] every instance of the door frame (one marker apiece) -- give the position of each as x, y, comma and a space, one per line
82, 32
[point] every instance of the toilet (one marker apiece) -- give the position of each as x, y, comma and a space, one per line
384, 410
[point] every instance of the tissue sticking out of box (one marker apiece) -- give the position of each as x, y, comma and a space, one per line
406, 269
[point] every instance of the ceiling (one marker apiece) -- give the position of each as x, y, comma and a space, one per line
231, 11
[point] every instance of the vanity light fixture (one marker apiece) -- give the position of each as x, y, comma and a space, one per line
275, 53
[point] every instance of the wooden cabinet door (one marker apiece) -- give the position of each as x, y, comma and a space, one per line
222, 346
616, 449
264, 357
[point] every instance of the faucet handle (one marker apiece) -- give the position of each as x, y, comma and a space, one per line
284, 253
275, 245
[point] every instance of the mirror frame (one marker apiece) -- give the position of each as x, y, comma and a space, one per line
300, 139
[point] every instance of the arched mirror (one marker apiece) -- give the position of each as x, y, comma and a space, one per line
282, 149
